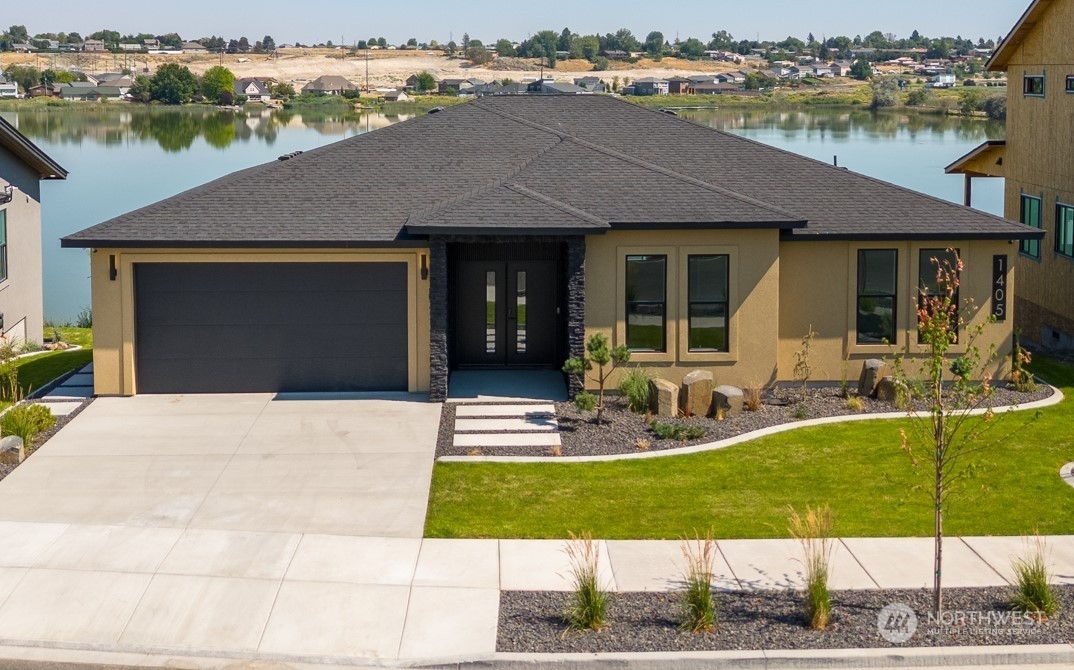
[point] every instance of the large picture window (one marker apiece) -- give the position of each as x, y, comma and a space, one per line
930, 263
3, 244
708, 289
1064, 230
646, 303
1030, 217
877, 291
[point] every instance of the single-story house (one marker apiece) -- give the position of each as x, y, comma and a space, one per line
455, 85
22, 167
553, 223
650, 86
555, 88
8, 89
93, 45
396, 96
253, 89
412, 82
731, 78
22, 47
714, 89
194, 48
591, 84
329, 84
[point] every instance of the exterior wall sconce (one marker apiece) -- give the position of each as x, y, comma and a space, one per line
425, 266
113, 271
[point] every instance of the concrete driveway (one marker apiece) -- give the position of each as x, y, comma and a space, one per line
239, 525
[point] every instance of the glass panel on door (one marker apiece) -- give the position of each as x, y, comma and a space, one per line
490, 312
520, 312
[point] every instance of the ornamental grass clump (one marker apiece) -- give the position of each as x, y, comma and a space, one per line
588, 608
26, 421
636, 386
698, 613
813, 531
1034, 593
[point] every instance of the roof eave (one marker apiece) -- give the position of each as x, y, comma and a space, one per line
30, 153
1027, 234
998, 61
708, 225
104, 243
505, 231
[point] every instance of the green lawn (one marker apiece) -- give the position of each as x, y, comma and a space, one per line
36, 371
743, 491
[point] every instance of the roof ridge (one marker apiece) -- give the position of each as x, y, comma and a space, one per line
557, 204
653, 167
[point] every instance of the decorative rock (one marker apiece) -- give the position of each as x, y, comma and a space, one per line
887, 390
13, 444
871, 373
696, 395
665, 398
729, 400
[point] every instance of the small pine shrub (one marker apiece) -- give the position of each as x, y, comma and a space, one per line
589, 601
1034, 594
814, 533
698, 614
585, 401
26, 421
635, 385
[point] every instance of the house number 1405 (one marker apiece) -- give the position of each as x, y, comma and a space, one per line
999, 287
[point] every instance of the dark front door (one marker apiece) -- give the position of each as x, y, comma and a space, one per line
506, 313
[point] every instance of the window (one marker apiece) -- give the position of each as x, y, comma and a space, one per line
1064, 230
708, 289
931, 264
3, 245
1030, 217
646, 303
877, 281
1033, 85
1070, 83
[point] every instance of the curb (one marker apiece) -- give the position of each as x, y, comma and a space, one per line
1052, 400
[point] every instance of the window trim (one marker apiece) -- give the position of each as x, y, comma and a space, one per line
921, 288
1023, 245
726, 305
1070, 84
1059, 206
1043, 85
858, 295
664, 303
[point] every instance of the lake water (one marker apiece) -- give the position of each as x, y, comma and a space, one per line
127, 157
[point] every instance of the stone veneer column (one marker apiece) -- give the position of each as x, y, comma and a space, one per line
438, 320
575, 305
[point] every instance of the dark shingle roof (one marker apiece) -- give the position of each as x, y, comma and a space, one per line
534, 164
29, 153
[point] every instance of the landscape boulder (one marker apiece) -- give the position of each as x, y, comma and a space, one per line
696, 394
872, 371
665, 397
729, 400
887, 390
14, 445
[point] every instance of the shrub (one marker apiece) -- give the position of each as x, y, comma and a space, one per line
84, 318
680, 432
814, 533
854, 404
9, 374
1034, 594
754, 398
698, 614
585, 401
635, 385
601, 355
589, 600
803, 369
1021, 378
918, 97
26, 421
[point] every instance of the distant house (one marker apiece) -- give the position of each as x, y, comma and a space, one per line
841, 68
151, 45
822, 71
615, 54
731, 78
130, 46
942, 81
93, 45
715, 89
40, 91
254, 90
329, 84
650, 86
591, 84
547, 87
412, 83
194, 48
517, 88
696, 79
678, 86
446, 86
109, 78
8, 89
396, 96
23, 48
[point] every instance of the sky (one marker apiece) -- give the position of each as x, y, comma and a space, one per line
314, 21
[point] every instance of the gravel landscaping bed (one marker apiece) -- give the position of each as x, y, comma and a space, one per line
8, 462
532, 622
622, 430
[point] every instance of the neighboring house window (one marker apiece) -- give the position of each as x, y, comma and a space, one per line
1033, 85
877, 281
646, 303
1070, 83
930, 263
1030, 217
3, 245
1064, 230
709, 287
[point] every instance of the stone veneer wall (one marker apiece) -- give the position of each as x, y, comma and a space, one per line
438, 304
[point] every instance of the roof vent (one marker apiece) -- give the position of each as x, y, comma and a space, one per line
669, 112
287, 157
434, 110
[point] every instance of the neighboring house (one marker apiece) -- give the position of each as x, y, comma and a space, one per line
82, 90
254, 90
615, 54
412, 83
329, 84
943, 81
678, 86
130, 46
731, 78
671, 246
454, 85
822, 71
41, 90
715, 89
650, 86
22, 167
591, 84
841, 68
8, 89
396, 96
93, 45
151, 45
555, 88
194, 48
1037, 162
22, 47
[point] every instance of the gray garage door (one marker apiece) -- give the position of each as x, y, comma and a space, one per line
270, 327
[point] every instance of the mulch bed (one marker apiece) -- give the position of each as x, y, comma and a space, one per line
532, 622
622, 430
8, 462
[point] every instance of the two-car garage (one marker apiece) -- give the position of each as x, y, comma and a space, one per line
237, 327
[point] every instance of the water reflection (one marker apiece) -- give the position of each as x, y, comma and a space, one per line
177, 130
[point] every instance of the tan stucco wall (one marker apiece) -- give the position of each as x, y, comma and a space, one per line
754, 298
1039, 162
21, 298
818, 288
113, 303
